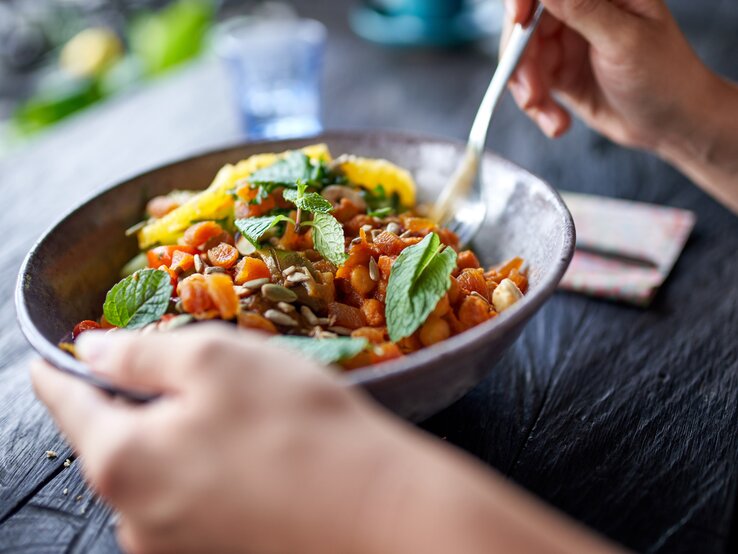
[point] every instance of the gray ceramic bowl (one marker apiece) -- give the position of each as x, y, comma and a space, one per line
67, 273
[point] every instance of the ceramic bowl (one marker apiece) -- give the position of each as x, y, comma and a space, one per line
67, 273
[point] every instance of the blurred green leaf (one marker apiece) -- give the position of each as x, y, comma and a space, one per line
53, 104
167, 38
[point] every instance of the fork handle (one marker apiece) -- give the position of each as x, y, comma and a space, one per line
511, 56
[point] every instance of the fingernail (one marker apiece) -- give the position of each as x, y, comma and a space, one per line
548, 123
91, 345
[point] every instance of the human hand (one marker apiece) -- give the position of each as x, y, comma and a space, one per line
623, 67
247, 449
250, 449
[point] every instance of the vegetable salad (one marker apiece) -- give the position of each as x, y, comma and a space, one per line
327, 255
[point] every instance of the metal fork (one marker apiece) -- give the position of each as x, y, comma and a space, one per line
462, 206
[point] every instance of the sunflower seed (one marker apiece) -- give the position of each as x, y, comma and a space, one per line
356, 240
326, 321
255, 283
309, 316
199, 264
277, 293
340, 330
135, 228
289, 271
375, 233
214, 269
393, 227
406, 234
373, 269
286, 308
298, 277
367, 228
275, 316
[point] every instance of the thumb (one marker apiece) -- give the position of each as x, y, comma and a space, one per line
601, 22
129, 360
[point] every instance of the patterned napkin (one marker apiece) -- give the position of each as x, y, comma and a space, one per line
625, 250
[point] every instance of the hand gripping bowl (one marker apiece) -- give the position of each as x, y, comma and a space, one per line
67, 273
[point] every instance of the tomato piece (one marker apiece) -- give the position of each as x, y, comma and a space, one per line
162, 255
193, 292
223, 255
85, 325
200, 233
225, 299
249, 269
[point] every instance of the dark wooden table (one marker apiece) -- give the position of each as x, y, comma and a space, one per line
627, 419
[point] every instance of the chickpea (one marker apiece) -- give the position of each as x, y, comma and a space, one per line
434, 330
361, 281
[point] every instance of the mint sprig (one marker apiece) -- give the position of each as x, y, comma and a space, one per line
139, 299
418, 280
253, 228
307, 201
324, 351
328, 238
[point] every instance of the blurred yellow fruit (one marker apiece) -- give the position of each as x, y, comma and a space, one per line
90, 52
215, 202
371, 173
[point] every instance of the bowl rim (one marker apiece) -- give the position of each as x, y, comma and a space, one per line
386, 372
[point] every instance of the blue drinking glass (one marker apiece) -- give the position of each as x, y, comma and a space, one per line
275, 66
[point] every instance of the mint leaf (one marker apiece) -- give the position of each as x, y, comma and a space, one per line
325, 351
419, 278
309, 202
139, 299
252, 228
328, 238
381, 212
294, 167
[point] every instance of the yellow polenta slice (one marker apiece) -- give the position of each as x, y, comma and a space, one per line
371, 173
215, 202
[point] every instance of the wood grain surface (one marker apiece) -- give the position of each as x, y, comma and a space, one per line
627, 419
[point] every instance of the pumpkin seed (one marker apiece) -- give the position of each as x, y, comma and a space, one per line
256, 283
277, 293
275, 316
175, 322
298, 277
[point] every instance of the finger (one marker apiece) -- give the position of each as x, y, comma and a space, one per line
82, 412
519, 10
550, 117
601, 22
